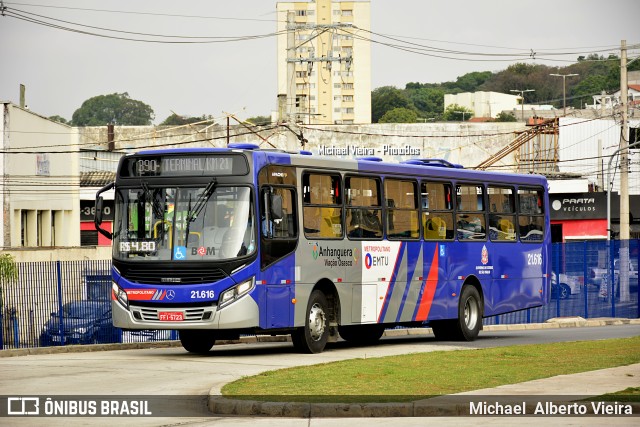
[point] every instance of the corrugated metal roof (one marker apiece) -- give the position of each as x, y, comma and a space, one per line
96, 178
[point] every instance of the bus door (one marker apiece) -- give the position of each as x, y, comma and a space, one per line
278, 240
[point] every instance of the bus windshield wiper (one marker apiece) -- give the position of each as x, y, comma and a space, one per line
202, 199
157, 210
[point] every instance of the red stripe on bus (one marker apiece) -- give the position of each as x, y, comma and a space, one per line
430, 289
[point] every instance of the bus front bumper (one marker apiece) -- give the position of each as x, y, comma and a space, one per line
241, 314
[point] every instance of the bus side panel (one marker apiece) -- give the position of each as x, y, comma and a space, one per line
469, 259
415, 279
434, 299
333, 262
518, 280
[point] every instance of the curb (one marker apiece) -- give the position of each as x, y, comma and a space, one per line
554, 323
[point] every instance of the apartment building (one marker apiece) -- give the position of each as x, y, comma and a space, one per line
324, 62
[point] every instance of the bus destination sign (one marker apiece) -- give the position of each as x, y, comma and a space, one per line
193, 165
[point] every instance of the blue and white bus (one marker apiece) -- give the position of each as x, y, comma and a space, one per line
222, 242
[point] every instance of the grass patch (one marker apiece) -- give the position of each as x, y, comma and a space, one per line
404, 377
631, 394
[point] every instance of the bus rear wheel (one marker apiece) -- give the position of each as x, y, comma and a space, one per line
361, 334
469, 322
197, 341
313, 336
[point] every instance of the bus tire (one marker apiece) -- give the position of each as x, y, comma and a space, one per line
197, 341
469, 322
313, 336
361, 334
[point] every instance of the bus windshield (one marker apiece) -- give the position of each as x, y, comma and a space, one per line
183, 223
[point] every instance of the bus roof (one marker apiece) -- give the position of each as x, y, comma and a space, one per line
437, 168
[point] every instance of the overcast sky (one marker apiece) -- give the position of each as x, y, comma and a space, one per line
61, 69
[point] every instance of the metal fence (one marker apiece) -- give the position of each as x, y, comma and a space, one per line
61, 303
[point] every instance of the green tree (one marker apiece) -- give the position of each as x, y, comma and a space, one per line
506, 117
457, 113
117, 108
177, 120
59, 119
260, 120
387, 98
427, 100
471, 81
8, 272
399, 115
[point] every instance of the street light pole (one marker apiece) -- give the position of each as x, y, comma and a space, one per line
521, 92
564, 90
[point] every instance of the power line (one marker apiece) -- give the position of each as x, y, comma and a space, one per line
170, 15
34, 19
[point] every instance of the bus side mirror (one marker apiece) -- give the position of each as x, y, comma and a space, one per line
275, 208
97, 216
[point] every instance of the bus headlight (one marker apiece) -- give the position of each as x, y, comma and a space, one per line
120, 295
234, 293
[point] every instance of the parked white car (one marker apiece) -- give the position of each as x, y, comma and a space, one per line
567, 286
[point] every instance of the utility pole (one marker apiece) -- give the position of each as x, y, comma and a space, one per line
521, 92
564, 90
624, 177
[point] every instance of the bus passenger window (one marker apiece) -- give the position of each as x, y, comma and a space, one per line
531, 214
322, 206
402, 209
364, 208
437, 210
470, 218
502, 214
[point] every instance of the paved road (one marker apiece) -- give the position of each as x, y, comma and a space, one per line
172, 371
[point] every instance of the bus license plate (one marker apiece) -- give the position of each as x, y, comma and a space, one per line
171, 316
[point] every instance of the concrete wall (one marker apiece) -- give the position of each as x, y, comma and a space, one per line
464, 143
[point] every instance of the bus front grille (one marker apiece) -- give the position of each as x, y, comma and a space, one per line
190, 314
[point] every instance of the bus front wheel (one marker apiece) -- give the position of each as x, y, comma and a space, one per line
313, 336
197, 341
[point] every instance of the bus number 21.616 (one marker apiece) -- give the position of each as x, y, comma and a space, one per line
534, 259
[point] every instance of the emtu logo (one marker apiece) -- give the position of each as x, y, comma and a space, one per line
368, 261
